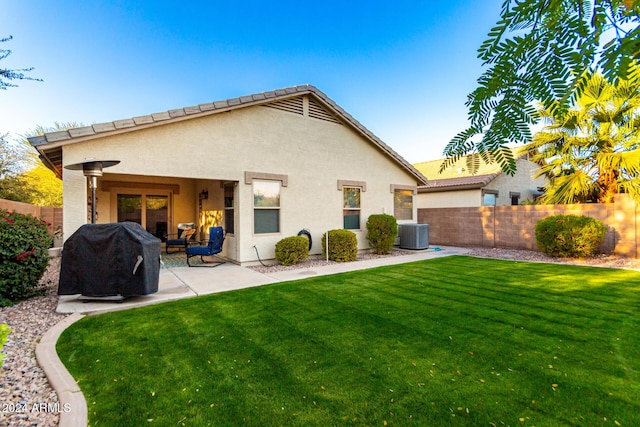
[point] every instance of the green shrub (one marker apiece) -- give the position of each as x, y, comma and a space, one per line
4, 334
24, 244
343, 245
382, 230
292, 250
569, 235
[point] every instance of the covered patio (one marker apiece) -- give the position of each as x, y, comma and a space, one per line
160, 203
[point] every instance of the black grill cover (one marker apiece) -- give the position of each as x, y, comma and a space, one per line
99, 260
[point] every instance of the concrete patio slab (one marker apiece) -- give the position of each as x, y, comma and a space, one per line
226, 277
170, 287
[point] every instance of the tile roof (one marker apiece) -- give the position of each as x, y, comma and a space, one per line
460, 183
50, 144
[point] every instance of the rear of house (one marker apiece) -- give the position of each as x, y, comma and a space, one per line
264, 167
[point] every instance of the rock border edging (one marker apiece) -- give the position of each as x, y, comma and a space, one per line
73, 406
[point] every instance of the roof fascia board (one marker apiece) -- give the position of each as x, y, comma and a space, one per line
424, 189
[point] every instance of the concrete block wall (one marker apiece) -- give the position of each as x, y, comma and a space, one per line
513, 226
453, 226
52, 215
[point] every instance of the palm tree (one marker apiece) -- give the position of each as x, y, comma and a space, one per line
591, 152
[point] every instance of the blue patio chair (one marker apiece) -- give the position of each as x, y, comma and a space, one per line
213, 247
186, 233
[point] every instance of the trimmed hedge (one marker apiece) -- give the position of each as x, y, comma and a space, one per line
382, 230
292, 250
24, 244
569, 235
343, 245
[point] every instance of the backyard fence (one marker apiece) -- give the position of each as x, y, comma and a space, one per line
513, 226
52, 215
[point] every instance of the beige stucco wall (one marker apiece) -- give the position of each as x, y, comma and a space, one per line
449, 199
313, 154
522, 182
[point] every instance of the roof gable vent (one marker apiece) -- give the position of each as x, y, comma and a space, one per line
317, 111
292, 105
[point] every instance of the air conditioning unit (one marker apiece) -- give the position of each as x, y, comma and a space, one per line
414, 236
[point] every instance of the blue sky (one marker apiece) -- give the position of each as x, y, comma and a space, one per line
403, 68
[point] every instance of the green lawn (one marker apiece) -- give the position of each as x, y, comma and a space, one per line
451, 341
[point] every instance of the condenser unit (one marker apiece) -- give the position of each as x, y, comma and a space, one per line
414, 236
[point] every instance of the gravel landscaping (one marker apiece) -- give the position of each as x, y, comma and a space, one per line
26, 397
24, 387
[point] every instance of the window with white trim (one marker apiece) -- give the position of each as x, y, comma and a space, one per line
402, 204
266, 206
351, 208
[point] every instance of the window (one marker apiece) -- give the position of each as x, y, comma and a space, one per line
266, 206
515, 198
351, 208
403, 204
489, 197
229, 206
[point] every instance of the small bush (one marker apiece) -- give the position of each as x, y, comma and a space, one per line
343, 245
382, 230
24, 244
569, 235
292, 250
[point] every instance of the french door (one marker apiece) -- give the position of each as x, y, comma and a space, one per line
149, 210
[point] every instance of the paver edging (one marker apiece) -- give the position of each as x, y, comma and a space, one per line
73, 406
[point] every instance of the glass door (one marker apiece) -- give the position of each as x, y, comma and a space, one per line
150, 211
157, 215
130, 208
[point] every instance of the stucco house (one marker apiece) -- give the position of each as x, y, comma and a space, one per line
263, 166
456, 186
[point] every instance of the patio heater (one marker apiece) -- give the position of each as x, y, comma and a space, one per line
92, 169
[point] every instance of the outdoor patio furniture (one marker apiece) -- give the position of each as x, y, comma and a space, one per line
186, 233
213, 247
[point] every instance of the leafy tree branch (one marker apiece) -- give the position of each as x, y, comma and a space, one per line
541, 51
7, 75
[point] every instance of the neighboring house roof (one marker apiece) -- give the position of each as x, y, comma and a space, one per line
50, 144
457, 176
461, 183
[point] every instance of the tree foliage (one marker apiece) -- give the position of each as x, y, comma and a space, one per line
10, 167
23, 177
541, 50
591, 152
7, 75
